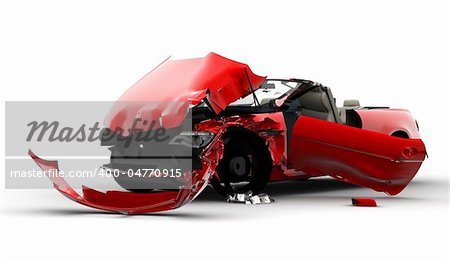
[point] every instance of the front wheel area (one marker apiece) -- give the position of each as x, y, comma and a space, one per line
246, 165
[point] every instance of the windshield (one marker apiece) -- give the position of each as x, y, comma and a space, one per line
271, 89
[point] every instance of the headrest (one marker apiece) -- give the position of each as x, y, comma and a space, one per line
351, 103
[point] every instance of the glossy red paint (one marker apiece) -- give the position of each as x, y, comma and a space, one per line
364, 202
165, 94
353, 155
138, 203
269, 126
378, 161
367, 157
388, 121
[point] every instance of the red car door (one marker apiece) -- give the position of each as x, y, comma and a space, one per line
361, 157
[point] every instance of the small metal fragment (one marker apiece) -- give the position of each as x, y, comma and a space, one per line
255, 199
249, 199
242, 197
265, 198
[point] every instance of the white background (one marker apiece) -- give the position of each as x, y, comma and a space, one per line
386, 53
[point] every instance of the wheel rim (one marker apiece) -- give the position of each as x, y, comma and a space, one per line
231, 177
239, 166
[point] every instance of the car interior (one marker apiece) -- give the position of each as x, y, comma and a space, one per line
319, 103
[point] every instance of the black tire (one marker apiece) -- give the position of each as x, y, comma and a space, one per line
400, 134
245, 166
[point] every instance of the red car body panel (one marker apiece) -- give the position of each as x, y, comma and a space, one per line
259, 124
165, 94
378, 161
364, 202
388, 121
366, 156
137, 203
371, 159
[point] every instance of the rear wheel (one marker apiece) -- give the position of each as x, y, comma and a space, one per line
245, 166
400, 134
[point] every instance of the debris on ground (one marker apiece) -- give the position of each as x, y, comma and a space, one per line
249, 198
364, 202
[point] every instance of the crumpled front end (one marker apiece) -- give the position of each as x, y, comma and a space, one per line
164, 95
128, 202
158, 104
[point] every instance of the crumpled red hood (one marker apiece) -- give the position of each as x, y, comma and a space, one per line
165, 93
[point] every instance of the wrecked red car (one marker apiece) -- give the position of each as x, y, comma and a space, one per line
245, 131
